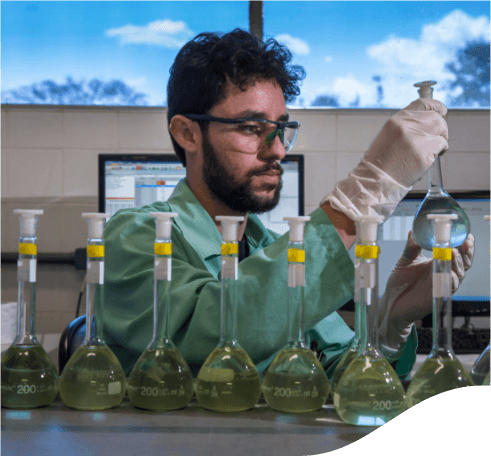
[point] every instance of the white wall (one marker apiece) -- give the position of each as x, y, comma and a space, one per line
49, 161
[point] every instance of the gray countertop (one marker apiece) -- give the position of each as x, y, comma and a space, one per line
58, 430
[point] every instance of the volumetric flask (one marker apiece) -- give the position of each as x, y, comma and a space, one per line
228, 381
93, 378
437, 200
441, 371
295, 381
161, 379
29, 376
369, 391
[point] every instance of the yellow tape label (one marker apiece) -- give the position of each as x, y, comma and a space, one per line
442, 253
163, 248
296, 255
95, 250
28, 249
230, 248
367, 252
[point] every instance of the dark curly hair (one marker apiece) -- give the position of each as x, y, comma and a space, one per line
198, 74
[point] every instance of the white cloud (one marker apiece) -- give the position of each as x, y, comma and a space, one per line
405, 61
164, 33
328, 59
296, 45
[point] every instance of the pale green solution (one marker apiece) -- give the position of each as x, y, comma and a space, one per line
342, 365
295, 382
29, 377
486, 380
228, 381
436, 375
161, 381
93, 379
369, 392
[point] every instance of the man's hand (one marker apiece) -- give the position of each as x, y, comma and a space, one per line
408, 294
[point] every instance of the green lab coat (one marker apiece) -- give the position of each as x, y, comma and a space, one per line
262, 294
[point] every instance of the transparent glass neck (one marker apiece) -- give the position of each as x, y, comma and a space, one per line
435, 180
296, 294
228, 304
94, 293
162, 288
26, 278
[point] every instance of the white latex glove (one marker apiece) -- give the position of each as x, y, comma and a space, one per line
408, 294
402, 152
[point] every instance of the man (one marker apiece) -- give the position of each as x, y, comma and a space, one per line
229, 127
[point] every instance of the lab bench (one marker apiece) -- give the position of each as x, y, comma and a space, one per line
125, 430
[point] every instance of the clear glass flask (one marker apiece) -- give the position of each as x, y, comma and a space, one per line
161, 379
441, 371
228, 381
295, 381
29, 376
480, 370
369, 391
93, 379
437, 200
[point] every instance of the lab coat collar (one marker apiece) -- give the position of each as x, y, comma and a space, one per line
196, 224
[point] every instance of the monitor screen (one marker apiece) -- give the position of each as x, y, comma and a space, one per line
392, 237
135, 180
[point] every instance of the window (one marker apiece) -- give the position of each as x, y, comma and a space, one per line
356, 54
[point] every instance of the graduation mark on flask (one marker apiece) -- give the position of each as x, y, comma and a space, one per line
163, 248
442, 253
95, 250
28, 249
367, 252
296, 255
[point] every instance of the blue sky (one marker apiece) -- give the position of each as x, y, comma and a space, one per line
341, 44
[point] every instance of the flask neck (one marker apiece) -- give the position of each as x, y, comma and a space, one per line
94, 293
296, 294
228, 302
435, 180
162, 299
442, 298
366, 294
26, 278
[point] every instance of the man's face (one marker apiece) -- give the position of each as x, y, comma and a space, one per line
238, 168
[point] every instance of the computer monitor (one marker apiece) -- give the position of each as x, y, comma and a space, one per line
473, 293
135, 180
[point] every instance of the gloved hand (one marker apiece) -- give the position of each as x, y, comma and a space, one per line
402, 152
408, 295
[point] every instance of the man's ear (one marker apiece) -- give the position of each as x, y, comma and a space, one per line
186, 132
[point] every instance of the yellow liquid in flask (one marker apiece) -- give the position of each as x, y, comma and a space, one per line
295, 382
436, 375
161, 381
29, 377
228, 381
93, 379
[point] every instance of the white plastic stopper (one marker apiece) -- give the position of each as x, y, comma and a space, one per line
297, 225
367, 227
28, 219
230, 225
96, 224
443, 226
163, 224
425, 89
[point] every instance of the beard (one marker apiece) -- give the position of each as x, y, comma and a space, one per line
239, 196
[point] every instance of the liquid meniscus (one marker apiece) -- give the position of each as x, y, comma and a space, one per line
93, 379
161, 381
369, 392
436, 375
295, 382
228, 381
423, 229
29, 377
